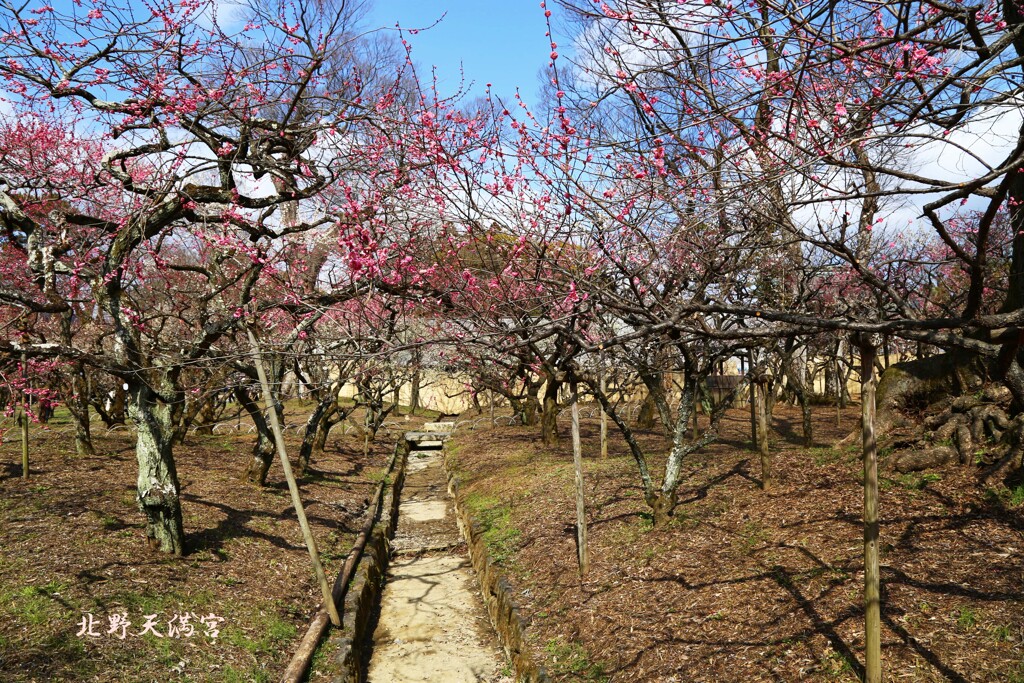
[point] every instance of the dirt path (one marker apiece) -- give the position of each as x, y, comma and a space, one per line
432, 625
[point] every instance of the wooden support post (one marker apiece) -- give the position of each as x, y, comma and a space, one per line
761, 401
293, 488
753, 405
872, 580
24, 416
577, 459
604, 415
366, 434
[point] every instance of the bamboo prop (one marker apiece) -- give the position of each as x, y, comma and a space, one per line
872, 581
758, 391
299, 664
753, 405
604, 416
577, 459
293, 488
24, 417
366, 433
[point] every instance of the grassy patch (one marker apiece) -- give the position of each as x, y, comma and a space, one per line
233, 675
837, 665
163, 603
966, 618
46, 627
825, 456
34, 605
501, 537
1006, 497
267, 633
571, 659
1002, 634
911, 481
1017, 496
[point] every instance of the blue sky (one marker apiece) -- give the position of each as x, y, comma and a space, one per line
498, 42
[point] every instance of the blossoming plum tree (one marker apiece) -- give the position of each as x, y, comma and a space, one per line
204, 146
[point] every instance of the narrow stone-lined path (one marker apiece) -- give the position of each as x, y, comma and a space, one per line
432, 625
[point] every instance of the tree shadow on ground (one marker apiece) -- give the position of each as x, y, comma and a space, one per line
926, 654
790, 581
790, 430
737, 470
10, 471
315, 474
237, 524
57, 653
786, 580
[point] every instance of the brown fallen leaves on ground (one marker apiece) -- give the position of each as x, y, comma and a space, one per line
748, 586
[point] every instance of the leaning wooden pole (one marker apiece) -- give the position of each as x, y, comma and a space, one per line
296, 670
840, 385
872, 580
293, 488
577, 459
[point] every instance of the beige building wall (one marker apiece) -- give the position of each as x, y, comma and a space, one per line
439, 391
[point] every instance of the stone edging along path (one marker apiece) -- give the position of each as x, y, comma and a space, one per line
432, 626
496, 591
368, 579
367, 584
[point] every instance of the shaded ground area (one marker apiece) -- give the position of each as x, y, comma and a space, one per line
432, 625
744, 586
72, 543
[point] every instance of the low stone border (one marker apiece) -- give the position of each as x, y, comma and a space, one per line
368, 579
496, 591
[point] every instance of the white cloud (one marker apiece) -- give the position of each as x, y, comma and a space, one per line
973, 150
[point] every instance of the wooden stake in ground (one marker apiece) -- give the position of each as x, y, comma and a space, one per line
293, 488
840, 387
577, 459
761, 402
872, 581
753, 405
366, 433
604, 415
24, 417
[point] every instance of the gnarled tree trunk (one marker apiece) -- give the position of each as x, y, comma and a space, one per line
910, 386
314, 425
758, 391
796, 374
78, 407
158, 487
549, 416
263, 450
645, 416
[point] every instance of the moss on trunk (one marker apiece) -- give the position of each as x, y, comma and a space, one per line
909, 387
158, 487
